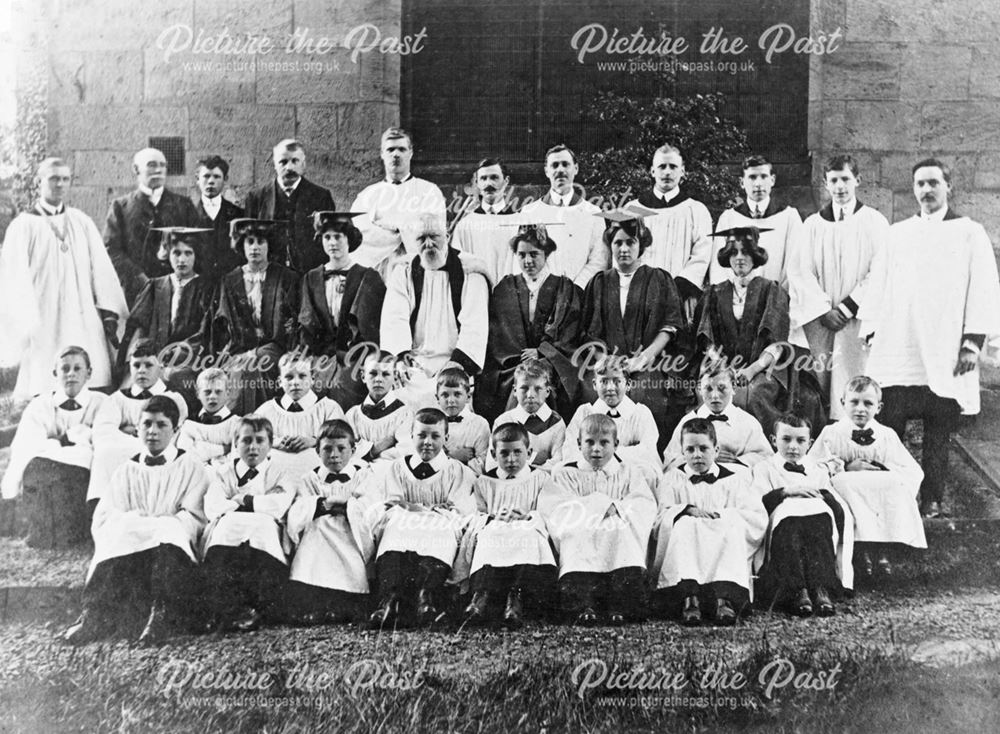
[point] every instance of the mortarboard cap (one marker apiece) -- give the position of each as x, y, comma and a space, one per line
180, 234
627, 213
324, 218
245, 225
741, 231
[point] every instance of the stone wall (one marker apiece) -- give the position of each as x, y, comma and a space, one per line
913, 78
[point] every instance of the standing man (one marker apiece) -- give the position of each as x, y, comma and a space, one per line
932, 302
761, 211
394, 203
215, 212
580, 252
135, 252
291, 198
57, 288
829, 277
485, 231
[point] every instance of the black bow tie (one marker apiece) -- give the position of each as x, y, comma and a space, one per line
796, 468
614, 414
718, 417
70, 404
155, 460
864, 437
144, 395
327, 274
251, 473
338, 477
294, 407
706, 478
210, 419
534, 424
453, 418
423, 470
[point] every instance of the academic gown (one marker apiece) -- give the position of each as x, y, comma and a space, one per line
554, 332
50, 298
781, 243
150, 316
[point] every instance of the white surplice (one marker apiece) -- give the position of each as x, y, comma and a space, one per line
780, 243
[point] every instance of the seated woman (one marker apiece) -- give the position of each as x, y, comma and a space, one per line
744, 321
256, 320
533, 315
634, 311
341, 310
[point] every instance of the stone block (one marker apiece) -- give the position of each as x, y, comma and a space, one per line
833, 125
987, 171
241, 168
897, 169
960, 126
308, 79
828, 14
96, 77
93, 127
877, 197
318, 127
272, 19
361, 125
323, 16
863, 71
93, 201
982, 206
202, 78
903, 206
380, 77
941, 72
116, 24
103, 167
959, 21
882, 126
251, 129
984, 80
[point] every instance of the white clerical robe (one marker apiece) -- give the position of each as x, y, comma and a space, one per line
883, 503
934, 282
682, 243
471, 432
207, 442
740, 434
396, 206
599, 520
49, 297
145, 506
832, 272
395, 419
580, 252
305, 422
707, 550
488, 236
781, 243
40, 430
637, 432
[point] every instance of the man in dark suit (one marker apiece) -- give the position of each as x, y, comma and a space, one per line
135, 251
290, 197
215, 212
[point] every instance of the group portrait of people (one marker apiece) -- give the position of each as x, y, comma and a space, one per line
290, 412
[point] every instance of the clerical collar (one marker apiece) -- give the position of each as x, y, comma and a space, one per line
47, 208
625, 407
561, 199
759, 206
494, 208
177, 282
667, 196
937, 216
59, 397
520, 415
610, 468
157, 388
713, 472
170, 453
242, 467
524, 473
403, 180
387, 399
438, 463
306, 401
154, 195
845, 211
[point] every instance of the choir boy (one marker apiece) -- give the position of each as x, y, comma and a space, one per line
382, 419
208, 434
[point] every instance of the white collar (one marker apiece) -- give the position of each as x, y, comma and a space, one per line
349, 469
292, 187
759, 205
154, 194
847, 208
612, 467
170, 453
624, 408
561, 199
223, 412
520, 415
937, 216
714, 471
780, 462
306, 401
668, 195
242, 467
406, 178
438, 463
704, 411
327, 267
49, 209
387, 400
850, 425
735, 280
157, 388
625, 276
536, 284
494, 208
524, 473
211, 204
60, 397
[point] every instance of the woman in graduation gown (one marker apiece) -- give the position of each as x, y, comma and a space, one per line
257, 316
745, 321
634, 311
341, 310
533, 314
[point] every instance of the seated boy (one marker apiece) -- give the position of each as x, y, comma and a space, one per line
509, 545
51, 454
637, 431
532, 387
599, 513
297, 415
741, 440
382, 417
428, 497
244, 554
806, 556
330, 524
145, 531
208, 434
875, 474
117, 420
708, 529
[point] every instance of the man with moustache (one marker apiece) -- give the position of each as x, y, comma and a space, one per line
392, 204
580, 252
486, 230
435, 311
135, 248
291, 198
933, 302
215, 212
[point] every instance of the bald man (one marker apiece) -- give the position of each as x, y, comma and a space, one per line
135, 252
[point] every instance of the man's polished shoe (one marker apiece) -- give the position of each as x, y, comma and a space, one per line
803, 604
691, 614
513, 613
157, 628
724, 612
616, 619
824, 606
478, 608
427, 612
248, 621
87, 628
587, 618
386, 614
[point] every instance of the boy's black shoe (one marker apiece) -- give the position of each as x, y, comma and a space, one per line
824, 606
691, 614
157, 627
87, 628
803, 605
427, 612
724, 613
386, 614
248, 621
513, 614
478, 608
587, 618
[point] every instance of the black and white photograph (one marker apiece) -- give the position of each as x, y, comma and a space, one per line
517, 366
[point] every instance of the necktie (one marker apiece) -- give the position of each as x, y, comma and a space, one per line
327, 274
423, 470
534, 424
453, 418
155, 460
209, 419
294, 407
143, 395
70, 404
795, 468
706, 478
757, 213
251, 473
864, 437
288, 192
614, 414
841, 217
718, 417
338, 477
